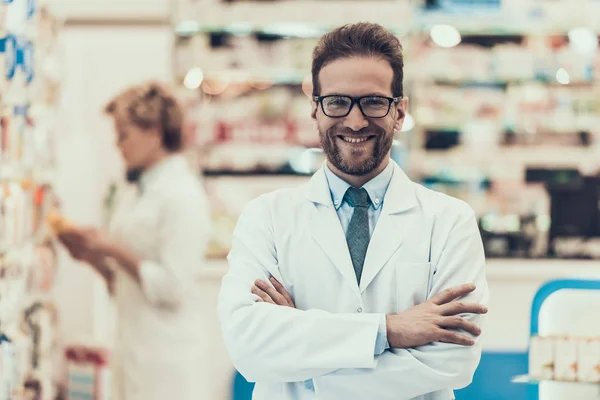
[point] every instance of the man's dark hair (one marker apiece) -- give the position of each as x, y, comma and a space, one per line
361, 39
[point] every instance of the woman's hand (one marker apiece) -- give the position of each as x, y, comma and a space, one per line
92, 246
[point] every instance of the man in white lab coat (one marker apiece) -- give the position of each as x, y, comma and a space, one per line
153, 253
360, 284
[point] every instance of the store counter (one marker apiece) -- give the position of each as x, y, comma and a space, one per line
513, 284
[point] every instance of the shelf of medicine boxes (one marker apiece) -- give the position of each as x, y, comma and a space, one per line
533, 381
16, 263
300, 19
261, 79
243, 19
505, 163
310, 19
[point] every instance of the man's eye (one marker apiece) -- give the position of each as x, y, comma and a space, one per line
337, 102
374, 102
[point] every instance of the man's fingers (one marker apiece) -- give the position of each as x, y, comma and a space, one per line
264, 297
456, 338
460, 323
453, 293
272, 292
279, 287
459, 307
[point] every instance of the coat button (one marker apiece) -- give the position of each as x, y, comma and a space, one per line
359, 309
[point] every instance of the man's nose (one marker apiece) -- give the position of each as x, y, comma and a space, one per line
355, 120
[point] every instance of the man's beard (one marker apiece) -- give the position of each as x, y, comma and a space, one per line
381, 147
133, 175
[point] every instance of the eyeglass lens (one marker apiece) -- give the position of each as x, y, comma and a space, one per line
372, 106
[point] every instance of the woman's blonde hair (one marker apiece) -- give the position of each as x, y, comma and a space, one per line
150, 105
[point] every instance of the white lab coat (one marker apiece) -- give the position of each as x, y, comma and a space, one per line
159, 340
424, 242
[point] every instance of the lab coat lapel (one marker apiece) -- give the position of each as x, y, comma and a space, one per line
392, 227
126, 198
326, 229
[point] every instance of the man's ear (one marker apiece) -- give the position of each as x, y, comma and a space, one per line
315, 108
401, 109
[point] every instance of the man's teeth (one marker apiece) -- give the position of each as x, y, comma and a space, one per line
354, 140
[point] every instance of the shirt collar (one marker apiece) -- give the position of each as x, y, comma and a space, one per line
376, 187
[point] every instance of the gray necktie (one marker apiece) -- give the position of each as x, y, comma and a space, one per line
358, 235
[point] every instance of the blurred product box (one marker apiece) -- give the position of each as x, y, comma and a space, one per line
88, 375
541, 358
588, 368
565, 359
565, 362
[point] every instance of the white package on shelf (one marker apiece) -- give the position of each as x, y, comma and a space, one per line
7, 375
588, 358
17, 16
565, 360
541, 358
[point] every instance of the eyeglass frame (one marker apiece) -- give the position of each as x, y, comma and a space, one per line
356, 100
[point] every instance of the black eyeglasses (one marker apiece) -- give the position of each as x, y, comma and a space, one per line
337, 106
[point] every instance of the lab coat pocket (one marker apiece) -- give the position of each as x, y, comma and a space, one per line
412, 284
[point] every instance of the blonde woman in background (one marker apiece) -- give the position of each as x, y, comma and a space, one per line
152, 253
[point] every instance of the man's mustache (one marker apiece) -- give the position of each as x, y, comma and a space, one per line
368, 131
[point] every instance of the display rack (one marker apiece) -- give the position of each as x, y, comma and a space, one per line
514, 79
540, 298
28, 97
518, 94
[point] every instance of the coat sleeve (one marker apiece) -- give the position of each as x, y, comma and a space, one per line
409, 373
270, 343
168, 280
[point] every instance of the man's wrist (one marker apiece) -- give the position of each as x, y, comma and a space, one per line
381, 343
387, 342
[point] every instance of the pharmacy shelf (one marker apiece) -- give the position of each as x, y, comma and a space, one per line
292, 76
504, 83
290, 19
540, 297
310, 19
517, 157
526, 379
279, 76
298, 30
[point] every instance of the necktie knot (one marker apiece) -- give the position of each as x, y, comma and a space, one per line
358, 197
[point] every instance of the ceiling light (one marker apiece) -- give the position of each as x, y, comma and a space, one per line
445, 35
193, 79
562, 76
583, 40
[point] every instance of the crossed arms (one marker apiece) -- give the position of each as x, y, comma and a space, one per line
432, 347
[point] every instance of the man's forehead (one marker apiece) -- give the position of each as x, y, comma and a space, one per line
357, 76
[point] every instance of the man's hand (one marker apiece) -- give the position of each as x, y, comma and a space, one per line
275, 294
433, 320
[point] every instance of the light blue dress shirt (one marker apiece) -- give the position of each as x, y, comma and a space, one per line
376, 188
